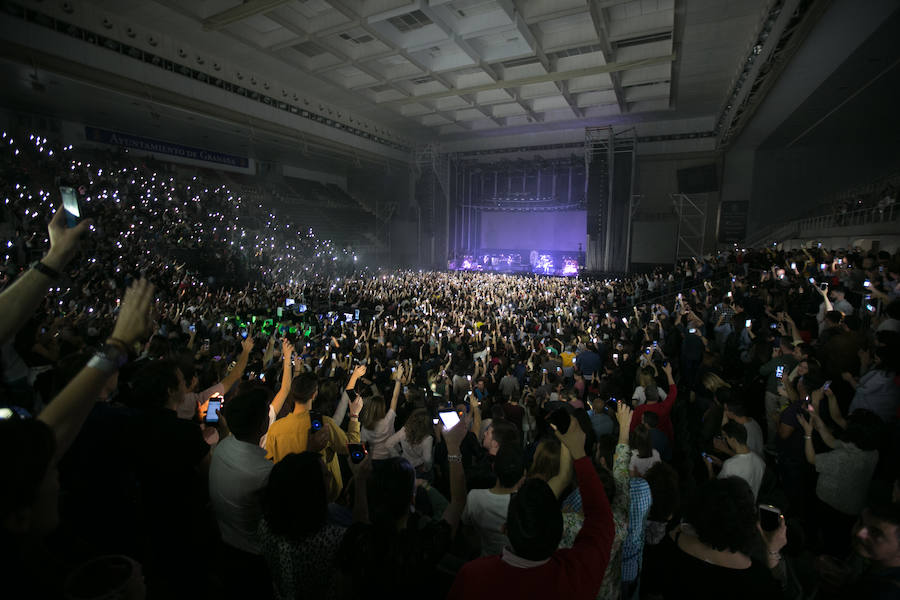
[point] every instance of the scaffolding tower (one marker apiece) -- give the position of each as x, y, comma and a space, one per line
691, 236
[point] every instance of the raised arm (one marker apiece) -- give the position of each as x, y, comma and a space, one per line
673, 389
287, 375
476, 419
823, 430
795, 335
19, 301
594, 542
559, 482
269, 351
453, 438
834, 410
238, 371
824, 293
341, 409
398, 383
808, 449
67, 412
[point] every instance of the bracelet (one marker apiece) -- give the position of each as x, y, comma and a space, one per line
354, 416
119, 343
807, 437
45, 270
103, 364
457, 458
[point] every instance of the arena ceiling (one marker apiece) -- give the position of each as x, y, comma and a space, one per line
453, 68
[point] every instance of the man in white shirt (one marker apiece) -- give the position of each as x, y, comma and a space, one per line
239, 471
833, 299
744, 464
735, 411
509, 385
238, 476
486, 509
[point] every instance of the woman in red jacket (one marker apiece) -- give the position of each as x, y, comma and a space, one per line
663, 409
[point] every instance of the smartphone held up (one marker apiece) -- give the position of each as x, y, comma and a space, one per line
71, 206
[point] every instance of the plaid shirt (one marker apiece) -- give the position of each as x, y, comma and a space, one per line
573, 520
633, 546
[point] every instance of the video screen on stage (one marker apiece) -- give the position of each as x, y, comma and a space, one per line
560, 230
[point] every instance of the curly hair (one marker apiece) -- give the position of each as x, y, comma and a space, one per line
723, 512
418, 426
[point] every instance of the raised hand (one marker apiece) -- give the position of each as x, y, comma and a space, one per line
573, 439
64, 242
356, 405
454, 436
806, 424
287, 348
133, 322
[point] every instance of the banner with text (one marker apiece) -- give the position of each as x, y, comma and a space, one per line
125, 140
733, 222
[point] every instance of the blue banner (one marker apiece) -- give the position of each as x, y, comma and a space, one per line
115, 138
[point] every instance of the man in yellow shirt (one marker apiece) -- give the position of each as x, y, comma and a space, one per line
291, 434
568, 362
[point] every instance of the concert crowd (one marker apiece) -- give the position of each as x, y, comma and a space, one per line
196, 404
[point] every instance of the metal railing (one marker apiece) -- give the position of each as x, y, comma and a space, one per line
861, 216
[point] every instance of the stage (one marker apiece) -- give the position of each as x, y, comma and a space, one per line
536, 261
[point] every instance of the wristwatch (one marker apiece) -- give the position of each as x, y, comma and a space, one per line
109, 359
44, 269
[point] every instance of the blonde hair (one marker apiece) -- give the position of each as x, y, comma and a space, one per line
713, 382
545, 464
372, 411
